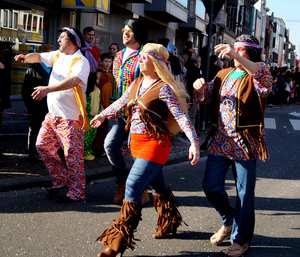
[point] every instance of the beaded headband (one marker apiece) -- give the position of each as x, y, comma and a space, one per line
248, 44
160, 58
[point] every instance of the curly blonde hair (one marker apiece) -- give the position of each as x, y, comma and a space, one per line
166, 76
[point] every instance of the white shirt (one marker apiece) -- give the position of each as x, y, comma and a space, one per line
62, 103
126, 54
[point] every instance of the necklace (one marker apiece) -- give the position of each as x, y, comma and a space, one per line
137, 97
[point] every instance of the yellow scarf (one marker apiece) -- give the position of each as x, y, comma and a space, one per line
78, 95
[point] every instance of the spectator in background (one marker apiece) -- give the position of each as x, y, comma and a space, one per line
113, 49
225, 63
185, 58
37, 74
89, 38
276, 74
296, 79
288, 86
271, 96
188, 49
203, 55
282, 86
173, 59
93, 58
193, 73
104, 83
213, 67
4, 101
182, 75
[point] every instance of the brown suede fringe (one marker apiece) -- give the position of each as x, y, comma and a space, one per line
119, 236
253, 135
259, 143
155, 127
169, 218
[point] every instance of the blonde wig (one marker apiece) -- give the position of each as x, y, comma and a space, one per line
159, 59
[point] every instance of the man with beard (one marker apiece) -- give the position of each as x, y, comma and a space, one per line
126, 69
66, 121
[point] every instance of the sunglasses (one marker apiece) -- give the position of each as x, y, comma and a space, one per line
129, 31
144, 57
61, 37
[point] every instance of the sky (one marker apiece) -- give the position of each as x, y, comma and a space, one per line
288, 9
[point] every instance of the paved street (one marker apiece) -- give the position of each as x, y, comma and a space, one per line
34, 226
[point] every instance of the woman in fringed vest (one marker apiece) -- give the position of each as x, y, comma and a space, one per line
156, 105
237, 137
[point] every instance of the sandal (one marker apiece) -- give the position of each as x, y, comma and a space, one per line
240, 251
221, 237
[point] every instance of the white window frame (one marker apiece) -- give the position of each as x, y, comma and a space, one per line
9, 22
32, 19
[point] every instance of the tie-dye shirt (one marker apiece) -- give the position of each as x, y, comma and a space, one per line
227, 141
137, 126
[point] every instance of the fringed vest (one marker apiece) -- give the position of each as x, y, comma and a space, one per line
153, 111
250, 110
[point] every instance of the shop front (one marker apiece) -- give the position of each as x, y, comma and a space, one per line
22, 30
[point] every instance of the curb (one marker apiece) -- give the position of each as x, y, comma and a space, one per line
91, 174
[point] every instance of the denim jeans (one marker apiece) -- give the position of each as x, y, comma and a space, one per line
112, 145
242, 217
142, 174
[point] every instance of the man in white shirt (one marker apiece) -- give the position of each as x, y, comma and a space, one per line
66, 121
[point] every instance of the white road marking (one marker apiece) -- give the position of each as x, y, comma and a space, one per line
295, 124
295, 114
270, 123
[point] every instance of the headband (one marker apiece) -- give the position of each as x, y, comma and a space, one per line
248, 44
78, 41
92, 61
160, 58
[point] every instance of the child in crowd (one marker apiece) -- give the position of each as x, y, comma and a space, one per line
105, 82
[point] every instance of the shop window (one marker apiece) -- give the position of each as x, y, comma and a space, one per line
15, 19
29, 22
9, 19
183, 2
5, 18
102, 41
32, 22
22, 31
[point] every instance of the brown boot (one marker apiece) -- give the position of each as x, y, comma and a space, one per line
169, 218
120, 193
145, 197
120, 235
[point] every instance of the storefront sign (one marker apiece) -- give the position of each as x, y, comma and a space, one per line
100, 5
7, 39
18, 76
242, 16
16, 89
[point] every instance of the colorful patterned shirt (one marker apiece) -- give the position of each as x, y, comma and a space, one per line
125, 72
137, 126
227, 141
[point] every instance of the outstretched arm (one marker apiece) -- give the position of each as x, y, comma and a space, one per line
239, 54
29, 58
